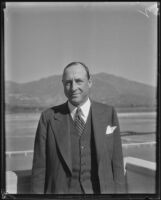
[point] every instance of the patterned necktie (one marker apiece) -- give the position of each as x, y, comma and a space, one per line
79, 122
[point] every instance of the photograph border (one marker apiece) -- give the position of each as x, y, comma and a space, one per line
5, 195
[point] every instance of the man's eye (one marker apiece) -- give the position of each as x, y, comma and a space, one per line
79, 81
67, 83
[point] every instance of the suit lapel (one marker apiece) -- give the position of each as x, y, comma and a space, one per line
60, 127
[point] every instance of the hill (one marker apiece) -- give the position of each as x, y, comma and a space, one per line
106, 88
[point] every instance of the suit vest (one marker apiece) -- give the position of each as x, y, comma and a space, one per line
84, 177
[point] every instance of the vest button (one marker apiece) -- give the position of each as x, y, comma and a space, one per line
82, 147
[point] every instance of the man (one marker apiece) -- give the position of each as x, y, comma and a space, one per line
77, 146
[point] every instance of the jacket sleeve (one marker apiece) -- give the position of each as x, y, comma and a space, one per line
117, 161
39, 158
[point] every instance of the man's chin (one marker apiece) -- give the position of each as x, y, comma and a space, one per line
75, 101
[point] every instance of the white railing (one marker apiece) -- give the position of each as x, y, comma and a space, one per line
139, 144
13, 153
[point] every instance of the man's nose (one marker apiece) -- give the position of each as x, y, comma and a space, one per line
74, 86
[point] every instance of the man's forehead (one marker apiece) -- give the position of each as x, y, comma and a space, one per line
75, 70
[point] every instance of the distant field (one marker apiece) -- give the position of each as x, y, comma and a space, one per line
122, 109
138, 138
135, 109
19, 143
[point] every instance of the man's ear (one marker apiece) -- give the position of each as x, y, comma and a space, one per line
90, 82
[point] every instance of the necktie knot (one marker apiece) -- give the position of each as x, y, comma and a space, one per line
78, 112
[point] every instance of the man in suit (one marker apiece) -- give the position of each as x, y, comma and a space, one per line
77, 145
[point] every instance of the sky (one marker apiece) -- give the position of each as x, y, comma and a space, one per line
116, 38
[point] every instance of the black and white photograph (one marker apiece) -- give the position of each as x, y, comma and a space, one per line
80, 86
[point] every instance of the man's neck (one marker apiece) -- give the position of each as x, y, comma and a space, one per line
85, 107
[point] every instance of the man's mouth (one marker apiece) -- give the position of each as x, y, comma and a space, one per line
73, 95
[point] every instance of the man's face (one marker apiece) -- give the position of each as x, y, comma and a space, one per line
76, 84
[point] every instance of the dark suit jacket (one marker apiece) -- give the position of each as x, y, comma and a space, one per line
52, 165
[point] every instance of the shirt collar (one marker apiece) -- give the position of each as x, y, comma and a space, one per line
84, 108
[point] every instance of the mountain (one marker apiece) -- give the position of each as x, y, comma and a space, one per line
106, 88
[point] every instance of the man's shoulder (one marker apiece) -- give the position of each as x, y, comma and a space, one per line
104, 109
102, 105
62, 108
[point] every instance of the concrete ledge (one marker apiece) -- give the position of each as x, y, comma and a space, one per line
18, 182
140, 166
145, 151
11, 182
140, 175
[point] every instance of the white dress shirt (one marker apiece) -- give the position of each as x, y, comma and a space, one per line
84, 108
